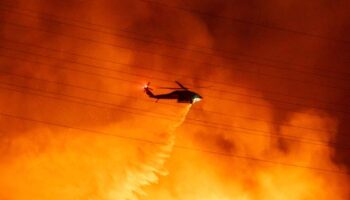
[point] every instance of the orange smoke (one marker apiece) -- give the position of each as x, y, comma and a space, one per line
75, 124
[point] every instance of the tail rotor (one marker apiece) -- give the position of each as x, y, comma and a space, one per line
146, 87
148, 90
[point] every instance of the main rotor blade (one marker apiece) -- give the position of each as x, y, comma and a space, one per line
183, 87
171, 88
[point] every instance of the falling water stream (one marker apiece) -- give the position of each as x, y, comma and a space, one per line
142, 174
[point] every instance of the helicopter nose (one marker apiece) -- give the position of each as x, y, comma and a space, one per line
197, 98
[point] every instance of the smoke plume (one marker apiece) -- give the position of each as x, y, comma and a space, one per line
75, 123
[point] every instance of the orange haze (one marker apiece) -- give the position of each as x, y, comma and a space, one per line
75, 123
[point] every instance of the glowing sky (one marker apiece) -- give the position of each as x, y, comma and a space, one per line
76, 124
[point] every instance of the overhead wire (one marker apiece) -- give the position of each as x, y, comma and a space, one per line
188, 148
84, 101
151, 69
241, 21
56, 19
169, 56
123, 80
336, 88
166, 80
167, 104
127, 80
175, 146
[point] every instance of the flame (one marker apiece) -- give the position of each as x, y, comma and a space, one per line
75, 123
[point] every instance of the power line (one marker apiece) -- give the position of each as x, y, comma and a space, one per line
238, 156
175, 146
237, 20
168, 117
80, 101
207, 124
133, 97
150, 69
55, 19
181, 58
304, 81
127, 80
152, 77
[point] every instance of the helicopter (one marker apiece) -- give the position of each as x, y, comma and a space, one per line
182, 94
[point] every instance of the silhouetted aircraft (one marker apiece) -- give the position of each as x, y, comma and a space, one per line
181, 94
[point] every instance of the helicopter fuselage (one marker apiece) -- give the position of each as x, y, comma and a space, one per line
182, 96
